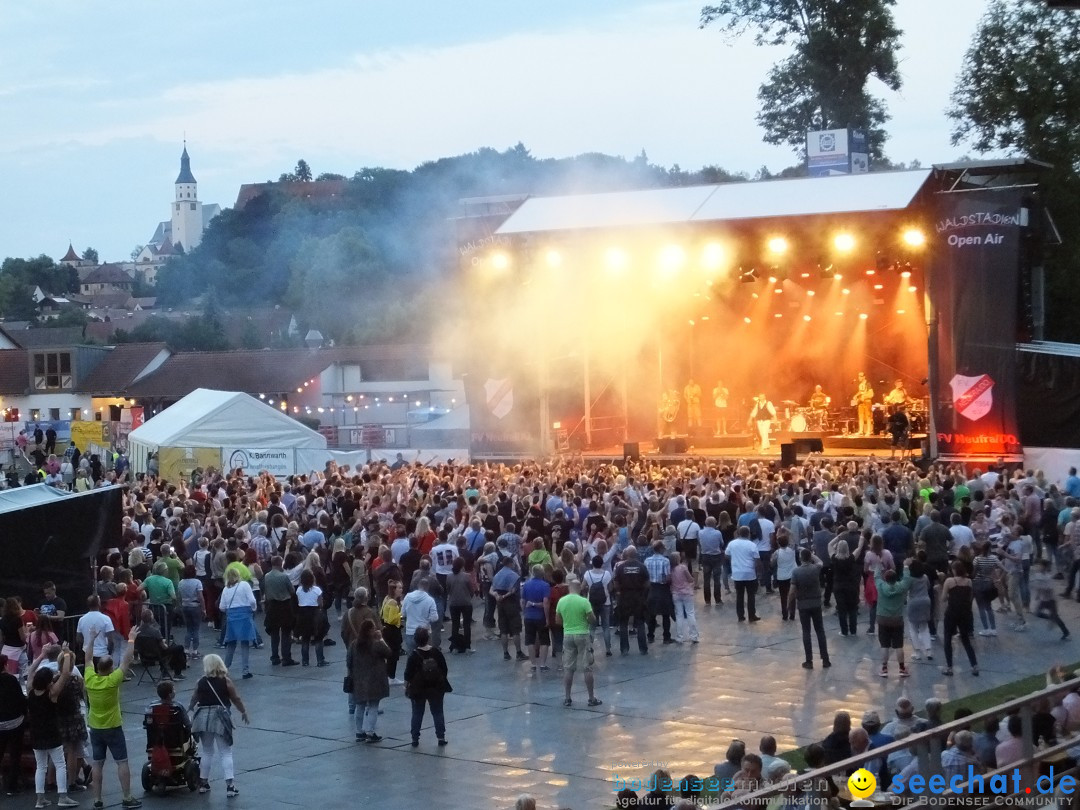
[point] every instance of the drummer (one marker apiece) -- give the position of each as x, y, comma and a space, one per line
898, 396
819, 400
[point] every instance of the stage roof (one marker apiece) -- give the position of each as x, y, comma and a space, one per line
809, 196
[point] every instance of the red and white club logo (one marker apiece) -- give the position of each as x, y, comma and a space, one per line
972, 396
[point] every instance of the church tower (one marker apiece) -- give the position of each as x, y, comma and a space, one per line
187, 211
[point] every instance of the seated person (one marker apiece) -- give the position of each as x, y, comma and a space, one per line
167, 697
173, 658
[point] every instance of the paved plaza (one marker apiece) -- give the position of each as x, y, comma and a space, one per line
678, 707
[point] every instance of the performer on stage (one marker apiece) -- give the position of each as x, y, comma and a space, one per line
720, 399
761, 416
864, 401
900, 428
819, 400
898, 396
692, 396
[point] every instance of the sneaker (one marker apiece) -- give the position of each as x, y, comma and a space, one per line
991, 632
362, 736
415, 743
916, 657
131, 801
826, 663
443, 741
904, 671
595, 701
248, 675
289, 663
232, 790
66, 801
373, 738
567, 702
946, 671
522, 656
42, 803
884, 670
545, 668
99, 805
506, 656
984, 632
807, 664
975, 671
1065, 636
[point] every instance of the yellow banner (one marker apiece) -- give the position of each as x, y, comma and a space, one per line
175, 464
86, 433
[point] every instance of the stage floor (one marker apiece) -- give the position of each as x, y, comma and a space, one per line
741, 446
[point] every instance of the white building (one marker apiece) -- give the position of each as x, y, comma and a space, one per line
188, 215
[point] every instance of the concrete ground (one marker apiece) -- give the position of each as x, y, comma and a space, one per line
677, 708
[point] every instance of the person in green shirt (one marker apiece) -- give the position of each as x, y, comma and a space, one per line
539, 555
574, 614
892, 594
102, 682
175, 566
161, 596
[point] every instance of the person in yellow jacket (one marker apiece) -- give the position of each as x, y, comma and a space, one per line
390, 613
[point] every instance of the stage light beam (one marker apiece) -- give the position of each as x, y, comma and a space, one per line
844, 242
777, 245
672, 258
616, 259
712, 256
553, 258
500, 260
914, 238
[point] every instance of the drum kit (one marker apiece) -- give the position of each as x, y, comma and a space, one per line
801, 419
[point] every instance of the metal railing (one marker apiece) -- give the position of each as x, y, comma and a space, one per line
927, 747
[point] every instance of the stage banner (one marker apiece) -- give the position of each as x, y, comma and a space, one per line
280, 463
86, 433
504, 411
973, 282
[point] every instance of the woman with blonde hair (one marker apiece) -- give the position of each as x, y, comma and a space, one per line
211, 721
237, 602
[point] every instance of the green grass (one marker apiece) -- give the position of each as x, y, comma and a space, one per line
977, 702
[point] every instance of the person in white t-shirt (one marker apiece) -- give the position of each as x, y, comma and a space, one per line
599, 575
96, 621
745, 568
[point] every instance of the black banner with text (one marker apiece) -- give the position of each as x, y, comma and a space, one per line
973, 282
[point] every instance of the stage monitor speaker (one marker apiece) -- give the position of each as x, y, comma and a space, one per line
672, 444
806, 446
788, 457
631, 451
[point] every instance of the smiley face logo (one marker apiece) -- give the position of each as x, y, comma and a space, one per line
862, 784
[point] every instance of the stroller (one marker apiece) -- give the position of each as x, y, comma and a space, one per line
173, 754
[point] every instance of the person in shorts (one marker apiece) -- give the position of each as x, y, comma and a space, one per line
892, 594
505, 588
575, 615
102, 682
535, 596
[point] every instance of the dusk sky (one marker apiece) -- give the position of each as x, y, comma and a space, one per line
96, 97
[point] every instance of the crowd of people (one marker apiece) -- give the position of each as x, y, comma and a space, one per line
558, 560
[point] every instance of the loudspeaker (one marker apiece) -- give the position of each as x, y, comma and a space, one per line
788, 458
631, 451
804, 446
672, 444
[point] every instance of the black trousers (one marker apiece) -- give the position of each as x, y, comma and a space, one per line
745, 591
810, 616
635, 614
392, 637
826, 584
11, 746
847, 608
785, 588
963, 629
1048, 610
660, 602
460, 627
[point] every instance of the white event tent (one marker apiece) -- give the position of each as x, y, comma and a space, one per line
220, 420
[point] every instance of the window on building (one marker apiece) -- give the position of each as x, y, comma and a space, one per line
52, 372
98, 417
193, 206
54, 414
76, 415
35, 414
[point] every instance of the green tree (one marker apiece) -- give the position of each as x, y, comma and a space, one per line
1019, 92
90, 255
302, 171
838, 45
71, 316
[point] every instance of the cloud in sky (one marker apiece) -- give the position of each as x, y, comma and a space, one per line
626, 80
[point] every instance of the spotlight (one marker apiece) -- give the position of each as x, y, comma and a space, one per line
900, 312
778, 290
553, 258
913, 238
500, 260
616, 259
672, 258
811, 293
746, 320
778, 315
878, 286
863, 316
912, 288
806, 317
844, 243
712, 256
777, 245
846, 291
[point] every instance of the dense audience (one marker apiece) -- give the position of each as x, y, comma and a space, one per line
551, 556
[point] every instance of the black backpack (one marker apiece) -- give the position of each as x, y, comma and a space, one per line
430, 674
597, 594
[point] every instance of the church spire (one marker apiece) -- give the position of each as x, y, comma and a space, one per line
185, 175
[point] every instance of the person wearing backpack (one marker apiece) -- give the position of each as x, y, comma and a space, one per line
426, 684
597, 584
